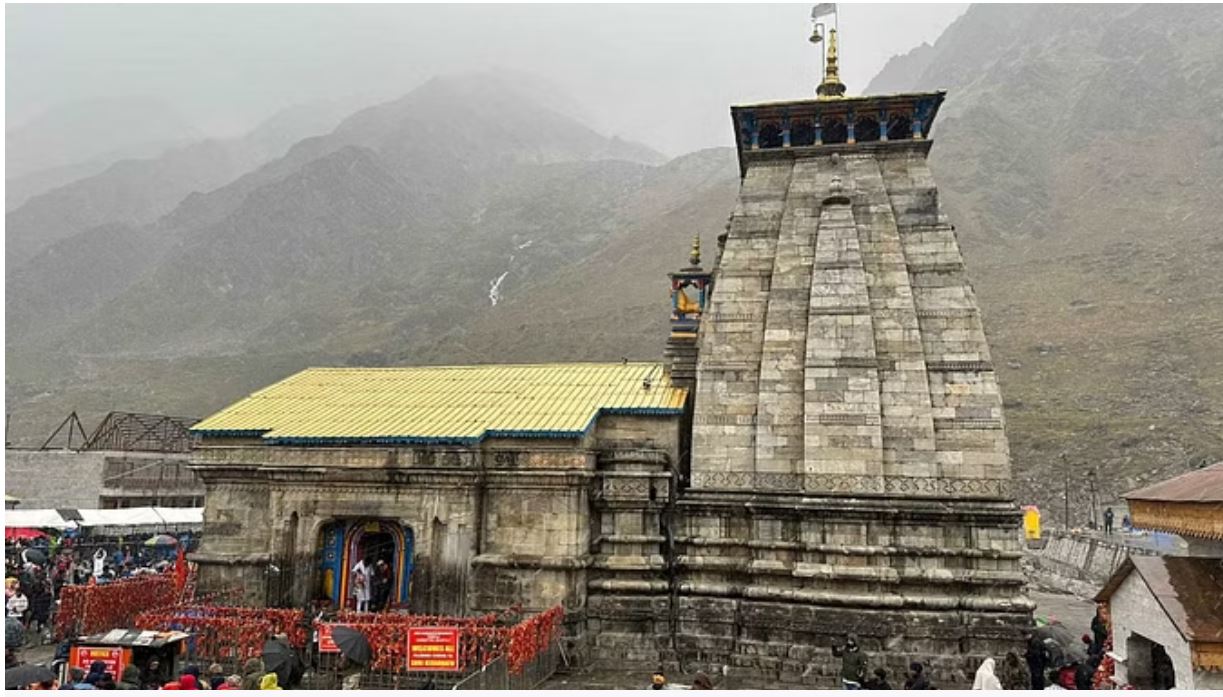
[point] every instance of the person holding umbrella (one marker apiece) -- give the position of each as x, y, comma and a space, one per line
281, 658
354, 651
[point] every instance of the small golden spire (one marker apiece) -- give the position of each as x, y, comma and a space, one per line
695, 256
831, 87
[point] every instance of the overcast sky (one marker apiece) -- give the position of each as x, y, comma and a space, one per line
660, 74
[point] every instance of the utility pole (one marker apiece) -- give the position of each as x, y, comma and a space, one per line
1095, 504
1067, 493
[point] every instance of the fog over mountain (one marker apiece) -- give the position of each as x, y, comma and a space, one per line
505, 215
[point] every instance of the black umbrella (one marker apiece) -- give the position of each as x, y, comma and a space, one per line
14, 633
353, 644
1064, 647
34, 556
281, 659
26, 674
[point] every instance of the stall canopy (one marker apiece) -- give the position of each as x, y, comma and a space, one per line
46, 518
153, 519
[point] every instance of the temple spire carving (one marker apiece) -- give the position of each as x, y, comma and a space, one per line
831, 87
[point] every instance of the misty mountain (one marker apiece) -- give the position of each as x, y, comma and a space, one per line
137, 191
408, 217
84, 130
1072, 155
19, 189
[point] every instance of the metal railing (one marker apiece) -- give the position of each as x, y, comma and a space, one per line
496, 676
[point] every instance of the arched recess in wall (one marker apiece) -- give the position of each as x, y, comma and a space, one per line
284, 570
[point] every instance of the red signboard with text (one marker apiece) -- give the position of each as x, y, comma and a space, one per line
115, 659
325, 643
433, 648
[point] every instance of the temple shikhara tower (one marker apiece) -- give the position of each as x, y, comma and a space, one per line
821, 452
849, 469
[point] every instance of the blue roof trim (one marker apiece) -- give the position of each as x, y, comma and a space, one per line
370, 440
227, 433
443, 440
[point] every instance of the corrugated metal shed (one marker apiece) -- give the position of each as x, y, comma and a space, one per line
1204, 485
447, 404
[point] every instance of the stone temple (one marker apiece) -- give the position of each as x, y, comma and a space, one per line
820, 453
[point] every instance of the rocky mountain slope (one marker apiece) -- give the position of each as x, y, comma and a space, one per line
1073, 157
403, 222
134, 191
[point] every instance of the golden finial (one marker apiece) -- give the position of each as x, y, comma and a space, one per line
831, 87
695, 256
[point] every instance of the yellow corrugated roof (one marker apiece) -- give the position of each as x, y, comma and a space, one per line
445, 403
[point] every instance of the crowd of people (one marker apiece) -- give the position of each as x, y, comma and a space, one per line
38, 568
253, 677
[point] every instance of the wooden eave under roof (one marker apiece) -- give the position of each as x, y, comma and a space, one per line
1189, 505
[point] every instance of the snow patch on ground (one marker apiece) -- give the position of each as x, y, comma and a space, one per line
526, 244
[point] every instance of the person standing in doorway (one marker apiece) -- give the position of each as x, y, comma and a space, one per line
1108, 521
381, 585
361, 581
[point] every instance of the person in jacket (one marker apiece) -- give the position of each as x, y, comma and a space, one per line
130, 679
658, 680
216, 676
878, 681
1099, 631
96, 670
1083, 673
76, 681
269, 682
1037, 657
1014, 673
985, 678
853, 664
917, 679
252, 673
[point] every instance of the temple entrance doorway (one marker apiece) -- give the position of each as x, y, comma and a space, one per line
346, 543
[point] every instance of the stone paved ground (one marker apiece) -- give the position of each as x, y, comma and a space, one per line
1070, 610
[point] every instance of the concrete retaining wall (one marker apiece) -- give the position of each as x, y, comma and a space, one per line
54, 478
1078, 563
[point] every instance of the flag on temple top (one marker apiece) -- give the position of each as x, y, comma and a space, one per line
824, 8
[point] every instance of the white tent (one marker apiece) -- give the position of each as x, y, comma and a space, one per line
146, 518
153, 519
42, 518
181, 516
